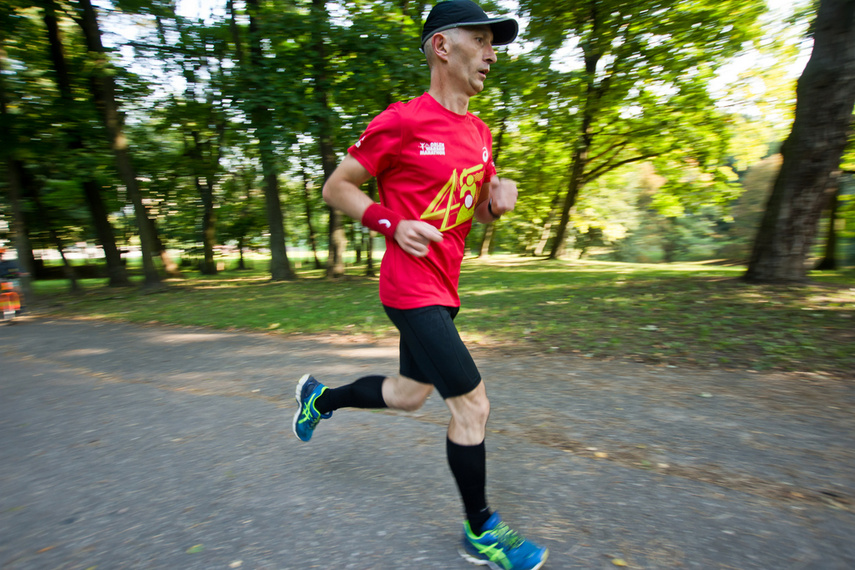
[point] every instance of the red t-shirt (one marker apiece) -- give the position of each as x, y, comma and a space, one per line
430, 164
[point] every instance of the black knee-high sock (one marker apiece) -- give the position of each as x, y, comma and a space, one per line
468, 464
367, 392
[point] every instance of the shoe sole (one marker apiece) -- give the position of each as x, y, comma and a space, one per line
297, 394
478, 561
493, 566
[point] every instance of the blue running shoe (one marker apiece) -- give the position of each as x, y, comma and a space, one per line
307, 417
501, 548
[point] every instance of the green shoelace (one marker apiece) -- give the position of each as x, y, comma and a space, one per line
506, 536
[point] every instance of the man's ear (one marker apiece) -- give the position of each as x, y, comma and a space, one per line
440, 44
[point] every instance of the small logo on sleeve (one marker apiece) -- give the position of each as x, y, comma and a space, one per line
385, 222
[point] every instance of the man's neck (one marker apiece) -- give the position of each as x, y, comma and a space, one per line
451, 99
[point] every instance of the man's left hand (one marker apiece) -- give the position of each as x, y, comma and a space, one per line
503, 194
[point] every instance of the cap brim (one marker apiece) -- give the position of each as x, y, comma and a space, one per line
505, 29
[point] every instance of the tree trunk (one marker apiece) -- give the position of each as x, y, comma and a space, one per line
14, 172
202, 172
337, 236
116, 273
546, 231
811, 154
103, 92
209, 227
19, 226
307, 201
241, 262
829, 260
67, 268
579, 159
487, 239
169, 264
337, 244
357, 241
205, 189
117, 276
575, 184
280, 267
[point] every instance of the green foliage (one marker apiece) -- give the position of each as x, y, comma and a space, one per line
636, 86
663, 145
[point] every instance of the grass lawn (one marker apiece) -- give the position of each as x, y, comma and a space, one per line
679, 314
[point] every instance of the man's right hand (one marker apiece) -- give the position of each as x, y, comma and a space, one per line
415, 236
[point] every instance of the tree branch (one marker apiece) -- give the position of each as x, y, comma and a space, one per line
616, 145
606, 167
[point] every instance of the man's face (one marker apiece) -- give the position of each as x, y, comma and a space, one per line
471, 56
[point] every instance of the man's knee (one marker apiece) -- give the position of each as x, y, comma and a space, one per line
472, 408
405, 394
480, 409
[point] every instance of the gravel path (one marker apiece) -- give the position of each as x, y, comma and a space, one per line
126, 446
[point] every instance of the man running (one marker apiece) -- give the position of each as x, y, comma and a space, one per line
435, 173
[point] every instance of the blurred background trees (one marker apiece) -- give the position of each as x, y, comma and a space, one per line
167, 131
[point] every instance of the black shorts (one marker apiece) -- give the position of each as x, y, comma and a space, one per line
432, 351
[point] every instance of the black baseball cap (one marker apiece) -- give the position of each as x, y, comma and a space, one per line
459, 13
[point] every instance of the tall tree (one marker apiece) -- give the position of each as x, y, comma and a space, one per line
307, 202
322, 119
263, 123
825, 96
636, 83
205, 128
14, 169
354, 79
242, 211
104, 94
117, 275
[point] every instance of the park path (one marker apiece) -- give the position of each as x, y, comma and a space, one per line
127, 446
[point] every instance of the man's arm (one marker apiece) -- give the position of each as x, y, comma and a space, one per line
502, 198
342, 192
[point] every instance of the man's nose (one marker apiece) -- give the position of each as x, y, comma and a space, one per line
491, 55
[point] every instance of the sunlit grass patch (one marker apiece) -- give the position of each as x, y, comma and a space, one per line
696, 314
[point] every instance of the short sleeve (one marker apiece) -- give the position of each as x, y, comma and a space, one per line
379, 146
